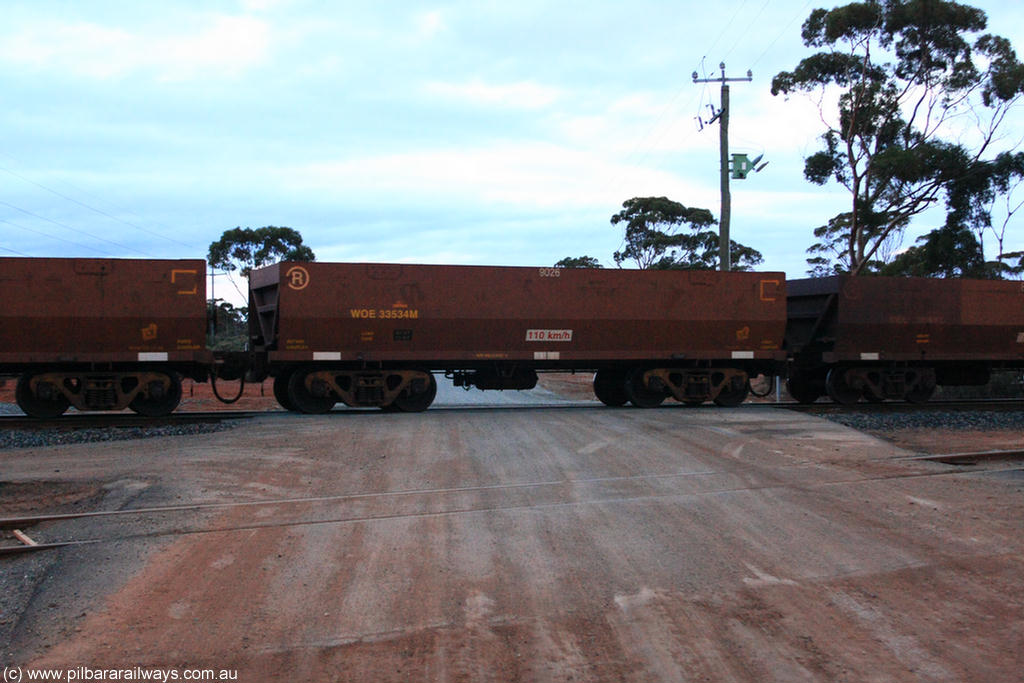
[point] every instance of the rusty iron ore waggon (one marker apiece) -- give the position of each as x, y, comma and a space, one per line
375, 334
109, 334
881, 338
102, 334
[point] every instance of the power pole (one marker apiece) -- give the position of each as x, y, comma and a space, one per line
724, 257
213, 298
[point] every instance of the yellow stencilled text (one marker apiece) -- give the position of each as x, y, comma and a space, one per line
384, 313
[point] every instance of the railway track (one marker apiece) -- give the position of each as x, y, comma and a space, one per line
988, 404
126, 419
995, 462
114, 420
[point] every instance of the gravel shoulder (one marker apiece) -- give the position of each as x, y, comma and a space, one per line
942, 432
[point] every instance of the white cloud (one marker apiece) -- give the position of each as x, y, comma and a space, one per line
223, 45
429, 24
635, 139
520, 95
263, 5
525, 175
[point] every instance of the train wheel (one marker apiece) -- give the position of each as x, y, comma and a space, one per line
874, 383
416, 402
281, 392
610, 388
802, 390
639, 394
920, 393
803, 387
922, 388
734, 392
159, 401
839, 390
871, 396
50, 404
311, 400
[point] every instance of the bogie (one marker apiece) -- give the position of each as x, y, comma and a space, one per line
150, 393
848, 384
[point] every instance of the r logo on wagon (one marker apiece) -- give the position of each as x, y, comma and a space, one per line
298, 277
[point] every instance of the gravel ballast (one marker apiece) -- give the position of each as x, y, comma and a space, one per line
39, 438
965, 420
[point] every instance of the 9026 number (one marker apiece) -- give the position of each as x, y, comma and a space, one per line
551, 272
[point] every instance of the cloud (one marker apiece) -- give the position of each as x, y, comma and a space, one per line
221, 45
264, 5
522, 174
429, 24
520, 95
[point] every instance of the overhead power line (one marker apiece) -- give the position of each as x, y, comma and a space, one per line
726, 28
785, 29
55, 237
743, 36
78, 230
92, 208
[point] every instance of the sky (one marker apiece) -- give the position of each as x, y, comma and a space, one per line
477, 132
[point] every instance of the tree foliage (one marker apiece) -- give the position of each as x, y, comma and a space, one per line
579, 262
917, 113
951, 251
663, 234
230, 326
245, 248
1011, 265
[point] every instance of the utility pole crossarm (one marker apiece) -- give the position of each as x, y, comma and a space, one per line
723, 78
724, 256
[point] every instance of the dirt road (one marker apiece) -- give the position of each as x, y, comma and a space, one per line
516, 544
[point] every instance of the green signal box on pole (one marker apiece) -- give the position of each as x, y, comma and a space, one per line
741, 166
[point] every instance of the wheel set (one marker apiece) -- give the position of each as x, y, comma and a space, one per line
649, 387
46, 395
313, 390
848, 384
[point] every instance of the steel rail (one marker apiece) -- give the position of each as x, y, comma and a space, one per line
25, 521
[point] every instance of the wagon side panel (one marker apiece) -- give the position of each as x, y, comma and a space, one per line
101, 310
462, 314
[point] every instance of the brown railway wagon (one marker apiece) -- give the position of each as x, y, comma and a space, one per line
878, 337
371, 334
101, 334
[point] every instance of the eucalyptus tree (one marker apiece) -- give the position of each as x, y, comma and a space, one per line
243, 249
663, 234
913, 95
